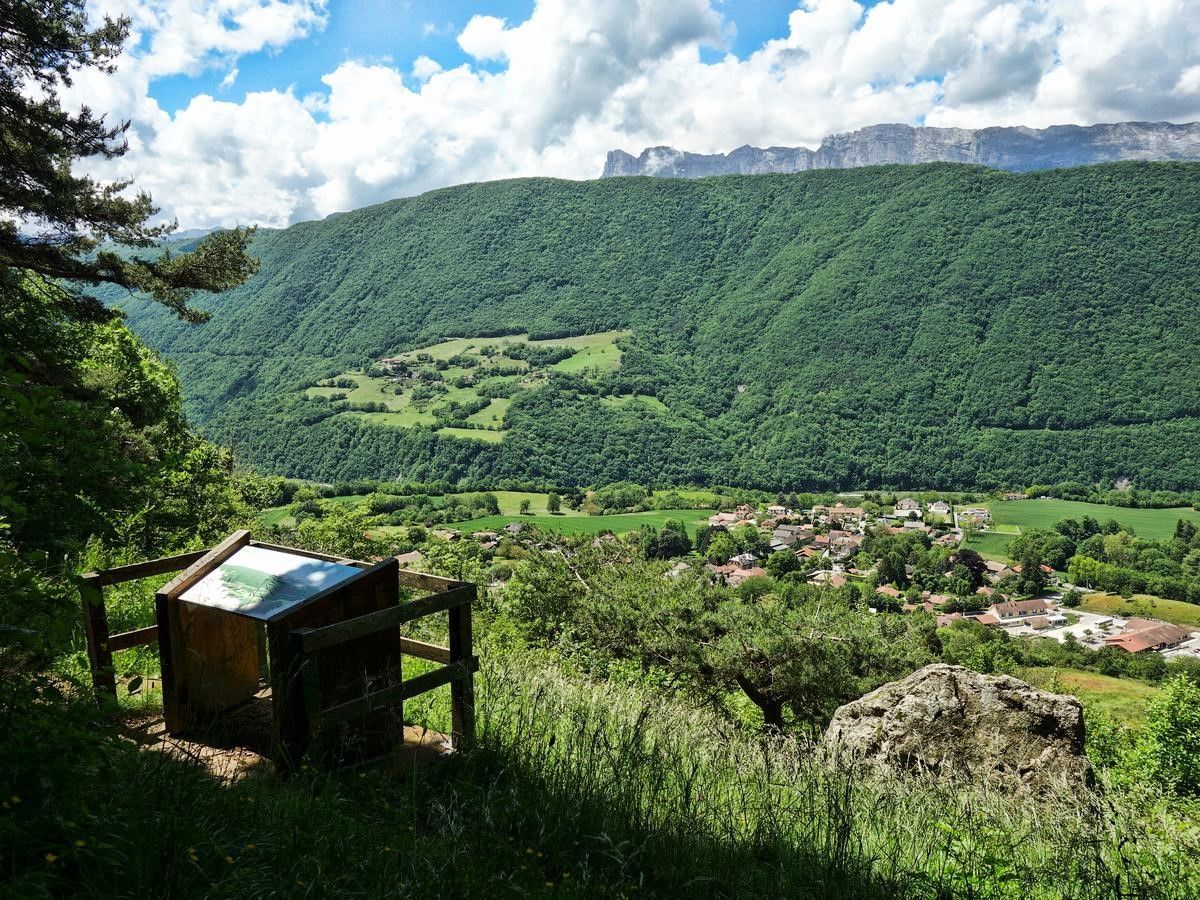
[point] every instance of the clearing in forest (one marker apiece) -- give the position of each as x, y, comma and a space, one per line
463, 387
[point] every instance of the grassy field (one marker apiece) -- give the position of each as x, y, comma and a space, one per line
1010, 517
473, 434
594, 352
492, 415
577, 524
1174, 611
1147, 523
282, 515
407, 418
991, 544
1124, 699
632, 400
510, 503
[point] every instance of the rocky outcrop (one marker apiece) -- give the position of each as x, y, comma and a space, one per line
954, 723
1013, 149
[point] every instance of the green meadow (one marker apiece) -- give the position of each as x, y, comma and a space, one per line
1011, 517
1124, 699
1177, 612
1146, 523
491, 368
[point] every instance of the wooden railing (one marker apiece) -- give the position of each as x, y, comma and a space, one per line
459, 663
446, 595
100, 644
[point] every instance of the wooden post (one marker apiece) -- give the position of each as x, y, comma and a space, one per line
462, 690
95, 625
305, 664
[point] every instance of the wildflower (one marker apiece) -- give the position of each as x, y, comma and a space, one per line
229, 859
16, 799
50, 857
249, 846
81, 843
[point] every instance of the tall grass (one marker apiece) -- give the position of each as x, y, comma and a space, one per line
575, 789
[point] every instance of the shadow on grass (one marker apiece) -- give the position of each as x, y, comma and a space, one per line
574, 790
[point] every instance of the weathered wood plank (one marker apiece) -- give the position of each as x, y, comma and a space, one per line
319, 638
205, 564
424, 582
462, 691
133, 571
310, 687
422, 650
344, 667
95, 626
356, 709
135, 638
171, 645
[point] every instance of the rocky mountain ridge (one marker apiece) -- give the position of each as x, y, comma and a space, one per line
1012, 149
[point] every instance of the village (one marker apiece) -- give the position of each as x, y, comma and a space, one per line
827, 543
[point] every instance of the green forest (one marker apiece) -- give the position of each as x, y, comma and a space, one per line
886, 327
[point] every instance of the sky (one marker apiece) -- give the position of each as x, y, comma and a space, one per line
272, 112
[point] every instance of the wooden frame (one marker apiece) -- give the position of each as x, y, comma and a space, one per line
458, 669
446, 595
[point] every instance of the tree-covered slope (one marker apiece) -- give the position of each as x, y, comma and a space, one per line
894, 326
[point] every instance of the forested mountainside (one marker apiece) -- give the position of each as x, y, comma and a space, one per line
898, 326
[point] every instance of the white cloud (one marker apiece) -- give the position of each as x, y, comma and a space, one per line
550, 95
424, 68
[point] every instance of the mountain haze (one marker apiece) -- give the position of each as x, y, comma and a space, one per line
898, 326
1011, 149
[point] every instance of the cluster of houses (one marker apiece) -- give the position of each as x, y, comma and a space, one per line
833, 533
1042, 615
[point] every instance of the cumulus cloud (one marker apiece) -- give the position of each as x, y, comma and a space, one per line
551, 94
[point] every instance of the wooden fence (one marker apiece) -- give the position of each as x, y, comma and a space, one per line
445, 595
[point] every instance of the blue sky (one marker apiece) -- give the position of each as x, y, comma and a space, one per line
276, 111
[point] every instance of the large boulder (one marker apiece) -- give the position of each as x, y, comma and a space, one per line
951, 722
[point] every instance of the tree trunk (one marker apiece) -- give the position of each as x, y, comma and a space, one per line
772, 709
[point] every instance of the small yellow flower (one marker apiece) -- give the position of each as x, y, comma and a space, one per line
50, 857
249, 846
229, 859
16, 799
